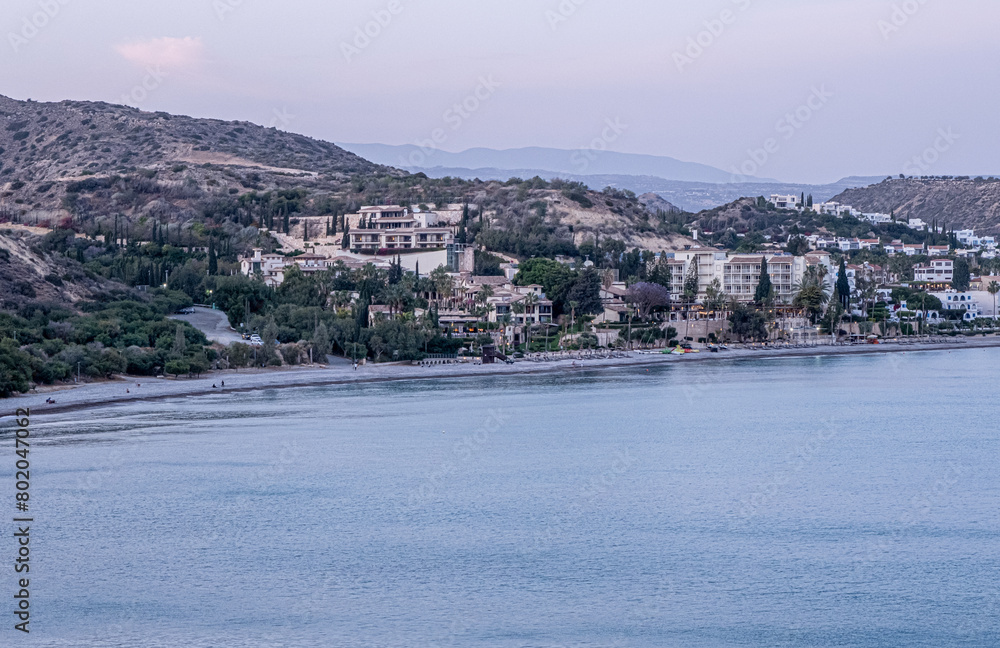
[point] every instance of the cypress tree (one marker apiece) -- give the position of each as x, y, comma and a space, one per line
764, 287
213, 261
843, 285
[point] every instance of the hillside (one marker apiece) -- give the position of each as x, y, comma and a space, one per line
959, 203
591, 161
31, 270
107, 170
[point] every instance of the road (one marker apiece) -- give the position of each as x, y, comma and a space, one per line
213, 323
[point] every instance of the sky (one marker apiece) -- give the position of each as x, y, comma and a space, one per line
798, 90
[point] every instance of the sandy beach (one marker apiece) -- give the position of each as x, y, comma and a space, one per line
130, 389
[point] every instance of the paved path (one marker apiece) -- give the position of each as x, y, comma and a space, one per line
213, 323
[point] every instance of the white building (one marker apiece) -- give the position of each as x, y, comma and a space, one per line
876, 218
936, 271
975, 303
786, 202
396, 228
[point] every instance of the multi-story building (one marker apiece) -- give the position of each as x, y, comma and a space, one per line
710, 262
396, 228
938, 271
975, 304
785, 202
741, 276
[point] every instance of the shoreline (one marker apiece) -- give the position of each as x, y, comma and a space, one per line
95, 395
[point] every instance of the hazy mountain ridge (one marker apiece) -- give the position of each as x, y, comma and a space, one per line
689, 196
958, 203
577, 162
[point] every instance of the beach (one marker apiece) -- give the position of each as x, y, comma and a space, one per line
143, 388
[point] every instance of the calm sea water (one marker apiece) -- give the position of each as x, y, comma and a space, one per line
796, 502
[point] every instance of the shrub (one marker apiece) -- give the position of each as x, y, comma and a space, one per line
178, 367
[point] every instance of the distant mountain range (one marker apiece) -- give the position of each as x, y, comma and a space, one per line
579, 162
691, 187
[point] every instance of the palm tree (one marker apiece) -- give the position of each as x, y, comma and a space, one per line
518, 308
444, 283
529, 308
396, 297
811, 292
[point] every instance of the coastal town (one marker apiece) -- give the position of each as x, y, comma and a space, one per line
693, 294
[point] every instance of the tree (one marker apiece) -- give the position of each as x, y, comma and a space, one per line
321, 342
691, 282
746, 322
178, 367
661, 273
843, 286
715, 297
346, 241
444, 283
993, 289
180, 342
213, 260
586, 291
765, 289
269, 337
647, 297
239, 355
962, 276
15, 368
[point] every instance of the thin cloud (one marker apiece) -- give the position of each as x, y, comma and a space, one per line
166, 52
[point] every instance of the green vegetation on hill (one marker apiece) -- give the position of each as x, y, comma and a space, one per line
44, 343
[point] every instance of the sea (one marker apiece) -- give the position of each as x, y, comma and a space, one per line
848, 501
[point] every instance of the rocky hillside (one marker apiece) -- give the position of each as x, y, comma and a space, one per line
100, 168
53, 141
959, 203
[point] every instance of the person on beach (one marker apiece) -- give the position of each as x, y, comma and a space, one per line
355, 366
223, 383
213, 386
127, 391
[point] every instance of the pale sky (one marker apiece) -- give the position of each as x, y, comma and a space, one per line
885, 77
